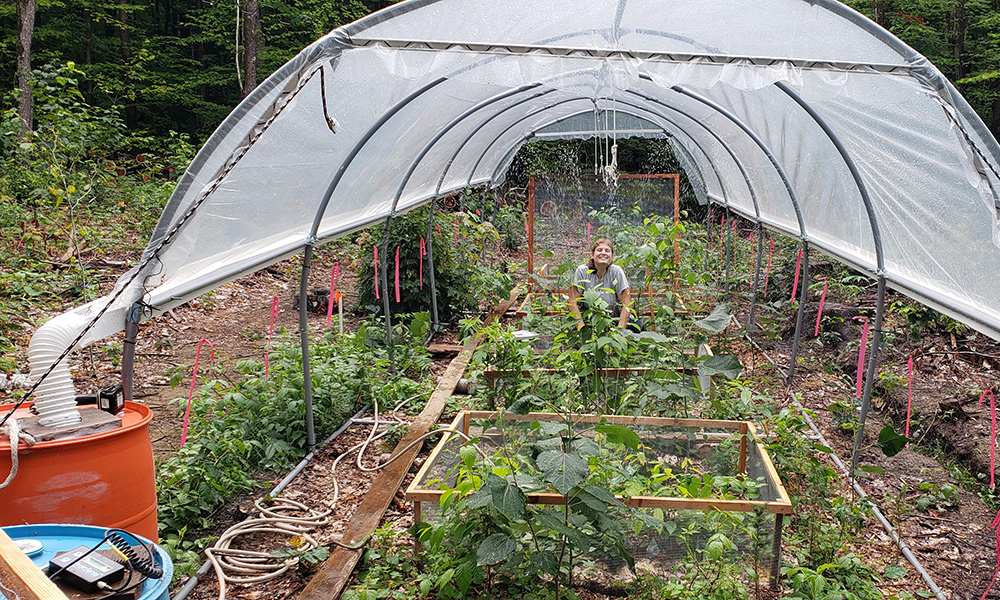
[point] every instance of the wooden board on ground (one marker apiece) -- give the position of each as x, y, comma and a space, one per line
21, 576
331, 579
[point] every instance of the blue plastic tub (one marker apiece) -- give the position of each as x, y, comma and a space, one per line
61, 538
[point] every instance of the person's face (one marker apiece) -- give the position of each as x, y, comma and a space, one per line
603, 255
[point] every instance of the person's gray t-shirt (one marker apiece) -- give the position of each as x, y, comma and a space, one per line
608, 287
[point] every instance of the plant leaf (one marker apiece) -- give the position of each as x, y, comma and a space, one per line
895, 571
496, 548
718, 320
727, 365
619, 434
563, 471
510, 501
891, 442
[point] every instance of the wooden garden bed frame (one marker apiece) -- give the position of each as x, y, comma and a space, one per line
417, 494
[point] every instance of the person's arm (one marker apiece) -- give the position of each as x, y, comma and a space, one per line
625, 299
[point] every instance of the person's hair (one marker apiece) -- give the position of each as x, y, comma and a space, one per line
598, 242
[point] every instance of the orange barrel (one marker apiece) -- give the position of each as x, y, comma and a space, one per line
104, 479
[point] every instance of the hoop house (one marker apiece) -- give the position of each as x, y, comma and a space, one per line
803, 116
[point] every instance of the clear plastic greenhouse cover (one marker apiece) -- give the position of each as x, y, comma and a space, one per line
767, 103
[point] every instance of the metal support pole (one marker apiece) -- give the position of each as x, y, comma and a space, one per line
779, 520
708, 231
128, 352
751, 325
729, 256
435, 322
304, 341
803, 295
866, 398
385, 292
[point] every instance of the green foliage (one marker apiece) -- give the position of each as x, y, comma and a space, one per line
238, 430
937, 497
463, 279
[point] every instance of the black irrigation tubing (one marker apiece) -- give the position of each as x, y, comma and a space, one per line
889, 529
148, 258
192, 582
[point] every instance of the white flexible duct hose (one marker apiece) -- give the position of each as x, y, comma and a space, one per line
55, 397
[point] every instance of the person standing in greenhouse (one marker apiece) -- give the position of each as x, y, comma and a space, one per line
605, 278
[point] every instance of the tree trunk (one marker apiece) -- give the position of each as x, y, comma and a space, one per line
251, 44
959, 27
25, 28
880, 13
131, 116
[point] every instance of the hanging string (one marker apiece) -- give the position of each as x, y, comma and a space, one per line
194, 378
375, 248
993, 433
334, 274
270, 334
861, 355
423, 251
822, 299
397, 275
909, 393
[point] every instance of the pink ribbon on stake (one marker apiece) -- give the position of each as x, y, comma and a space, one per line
397, 274
909, 393
822, 299
194, 378
526, 231
996, 527
270, 334
375, 248
861, 354
423, 251
767, 275
334, 275
795, 283
993, 432
438, 228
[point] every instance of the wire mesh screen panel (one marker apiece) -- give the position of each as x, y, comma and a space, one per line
674, 487
567, 214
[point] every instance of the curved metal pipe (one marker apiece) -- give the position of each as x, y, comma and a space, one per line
795, 204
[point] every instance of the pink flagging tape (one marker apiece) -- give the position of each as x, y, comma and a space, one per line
526, 230
397, 274
423, 251
993, 433
478, 214
375, 248
270, 334
438, 228
996, 527
861, 354
795, 282
588, 234
194, 378
334, 275
822, 299
909, 394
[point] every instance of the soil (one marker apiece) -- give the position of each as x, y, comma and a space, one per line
956, 546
